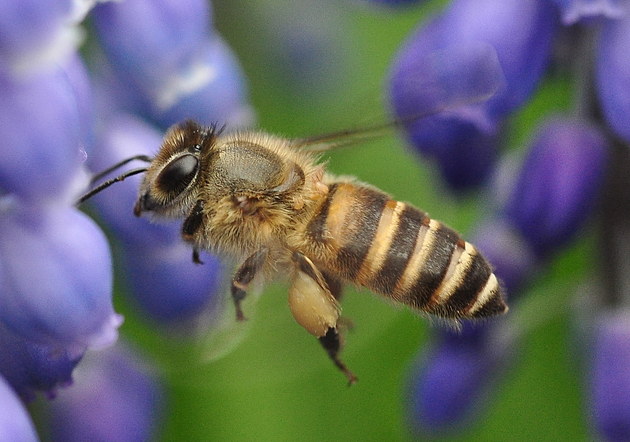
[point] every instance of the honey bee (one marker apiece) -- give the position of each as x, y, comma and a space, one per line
268, 203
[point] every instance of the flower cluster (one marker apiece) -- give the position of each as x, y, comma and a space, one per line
65, 116
540, 201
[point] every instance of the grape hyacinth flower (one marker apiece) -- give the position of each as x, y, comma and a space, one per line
115, 396
464, 144
610, 382
173, 64
55, 266
15, 423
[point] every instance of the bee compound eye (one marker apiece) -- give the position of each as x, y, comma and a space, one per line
178, 174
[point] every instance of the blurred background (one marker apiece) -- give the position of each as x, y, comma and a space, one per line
305, 68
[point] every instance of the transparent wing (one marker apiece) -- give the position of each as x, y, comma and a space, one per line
454, 79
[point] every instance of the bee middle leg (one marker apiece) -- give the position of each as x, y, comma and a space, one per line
316, 309
243, 276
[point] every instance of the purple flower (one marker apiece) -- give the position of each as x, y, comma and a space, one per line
556, 188
56, 275
40, 128
15, 423
171, 62
454, 377
574, 11
464, 142
613, 78
212, 90
30, 367
36, 34
149, 41
168, 286
114, 397
610, 377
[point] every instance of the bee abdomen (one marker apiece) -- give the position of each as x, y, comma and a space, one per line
397, 251
440, 273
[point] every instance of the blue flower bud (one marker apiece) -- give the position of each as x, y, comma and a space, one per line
36, 34
573, 11
124, 397
211, 90
30, 367
150, 41
15, 423
557, 185
40, 132
123, 136
56, 276
610, 378
453, 378
168, 286
612, 79
463, 139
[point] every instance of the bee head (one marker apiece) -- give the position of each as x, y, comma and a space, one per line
169, 185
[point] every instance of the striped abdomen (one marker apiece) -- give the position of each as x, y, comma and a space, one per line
396, 250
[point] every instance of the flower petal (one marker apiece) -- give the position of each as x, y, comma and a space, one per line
613, 74
15, 423
57, 277
557, 184
124, 400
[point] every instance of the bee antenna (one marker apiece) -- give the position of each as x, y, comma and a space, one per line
104, 173
108, 183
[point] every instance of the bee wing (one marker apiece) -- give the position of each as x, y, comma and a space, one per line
454, 79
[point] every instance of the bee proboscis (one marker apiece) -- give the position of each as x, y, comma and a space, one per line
267, 202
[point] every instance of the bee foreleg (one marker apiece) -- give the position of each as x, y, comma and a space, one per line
195, 256
193, 221
315, 308
243, 276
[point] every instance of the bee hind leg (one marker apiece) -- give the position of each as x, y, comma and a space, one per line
313, 302
332, 344
243, 277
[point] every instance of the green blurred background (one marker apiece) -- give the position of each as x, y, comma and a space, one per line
278, 384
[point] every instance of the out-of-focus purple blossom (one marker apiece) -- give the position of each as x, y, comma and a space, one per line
149, 41
613, 74
168, 286
170, 64
610, 378
523, 49
557, 185
15, 423
114, 397
36, 34
212, 90
176, 66
30, 367
41, 131
511, 256
453, 378
573, 11
57, 277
